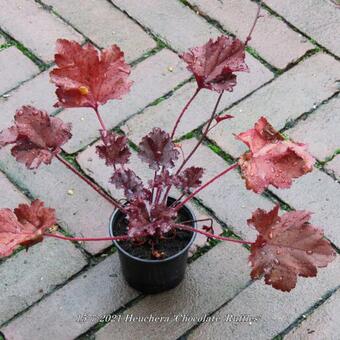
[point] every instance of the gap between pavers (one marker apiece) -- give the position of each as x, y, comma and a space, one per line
38, 30
15, 68
276, 310
277, 43
173, 22
323, 323
165, 113
105, 25
153, 78
334, 167
28, 275
295, 92
318, 19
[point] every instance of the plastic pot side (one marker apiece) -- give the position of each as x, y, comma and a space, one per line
153, 276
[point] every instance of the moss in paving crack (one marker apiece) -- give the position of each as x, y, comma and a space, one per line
216, 149
72, 159
5, 45
257, 56
42, 66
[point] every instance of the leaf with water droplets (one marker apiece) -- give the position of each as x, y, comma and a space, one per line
157, 149
86, 77
36, 136
272, 160
287, 246
214, 63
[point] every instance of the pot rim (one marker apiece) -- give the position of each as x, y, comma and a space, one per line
154, 261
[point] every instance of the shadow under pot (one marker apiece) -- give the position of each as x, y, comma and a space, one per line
140, 269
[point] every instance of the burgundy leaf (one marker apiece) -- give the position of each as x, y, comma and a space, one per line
214, 63
139, 218
115, 149
86, 78
37, 136
287, 247
223, 117
25, 226
129, 182
157, 149
189, 178
272, 160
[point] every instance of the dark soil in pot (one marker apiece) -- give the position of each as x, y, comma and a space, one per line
140, 268
170, 245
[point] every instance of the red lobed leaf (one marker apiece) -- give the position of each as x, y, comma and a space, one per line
37, 136
287, 247
158, 150
189, 178
86, 78
214, 63
25, 226
115, 149
272, 160
127, 180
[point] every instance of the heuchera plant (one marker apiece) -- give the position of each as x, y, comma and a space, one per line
286, 247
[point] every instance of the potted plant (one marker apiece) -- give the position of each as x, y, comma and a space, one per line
151, 230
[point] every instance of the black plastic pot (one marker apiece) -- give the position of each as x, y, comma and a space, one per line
153, 276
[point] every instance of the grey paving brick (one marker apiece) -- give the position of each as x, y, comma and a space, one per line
95, 293
152, 79
28, 276
293, 93
320, 130
164, 115
201, 292
318, 193
322, 22
37, 29
14, 68
13, 196
38, 92
272, 38
322, 324
175, 23
104, 25
276, 310
334, 166
84, 213
227, 197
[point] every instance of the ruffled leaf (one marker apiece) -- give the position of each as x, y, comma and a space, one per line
115, 149
272, 160
25, 226
37, 136
214, 63
158, 150
287, 247
127, 180
86, 78
189, 178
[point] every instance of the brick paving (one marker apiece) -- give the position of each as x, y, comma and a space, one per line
294, 63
